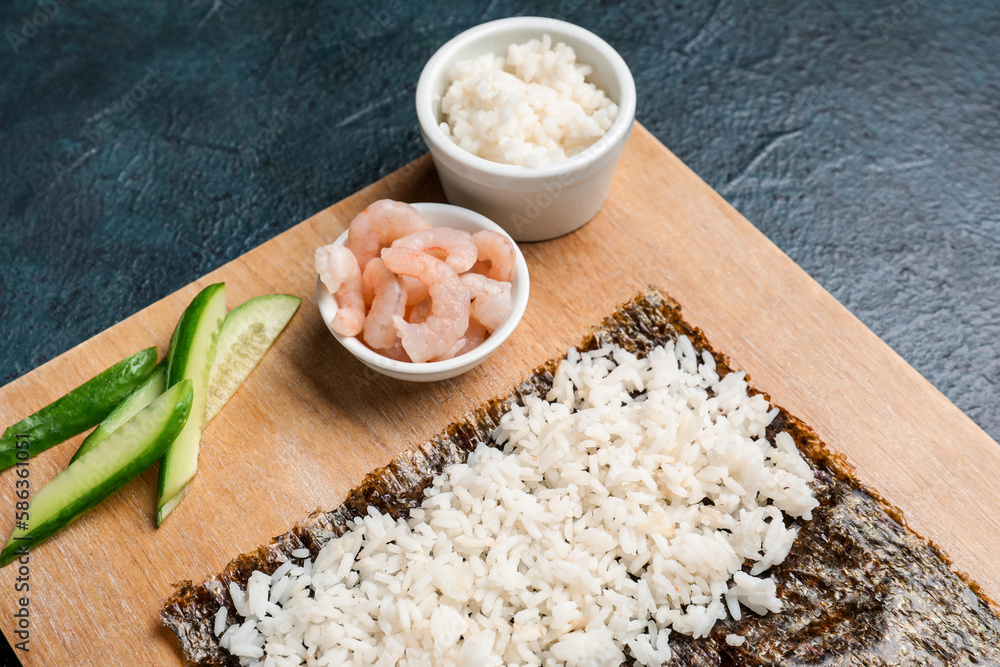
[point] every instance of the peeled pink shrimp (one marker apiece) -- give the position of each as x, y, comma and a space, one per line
338, 269
449, 316
379, 225
389, 300
454, 246
416, 291
491, 300
499, 251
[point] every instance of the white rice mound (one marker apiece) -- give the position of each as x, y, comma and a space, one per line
530, 108
623, 507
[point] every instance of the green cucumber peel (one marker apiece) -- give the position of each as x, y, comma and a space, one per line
247, 334
192, 352
99, 473
144, 394
76, 411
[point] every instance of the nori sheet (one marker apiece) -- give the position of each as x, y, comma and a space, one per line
858, 588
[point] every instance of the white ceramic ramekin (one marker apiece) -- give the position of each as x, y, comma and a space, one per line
437, 215
531, 204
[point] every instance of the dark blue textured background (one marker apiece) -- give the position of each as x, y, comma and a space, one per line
144, 144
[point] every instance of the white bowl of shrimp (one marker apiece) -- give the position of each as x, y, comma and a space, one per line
421, 292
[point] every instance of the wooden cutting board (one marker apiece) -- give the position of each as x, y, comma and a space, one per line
311, 421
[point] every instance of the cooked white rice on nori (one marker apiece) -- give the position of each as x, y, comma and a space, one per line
623, 507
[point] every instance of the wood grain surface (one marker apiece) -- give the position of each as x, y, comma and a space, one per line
311, 421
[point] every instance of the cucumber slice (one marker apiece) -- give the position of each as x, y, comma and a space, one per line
247, 334
106, 468
77, 411
141, 396
192, 352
